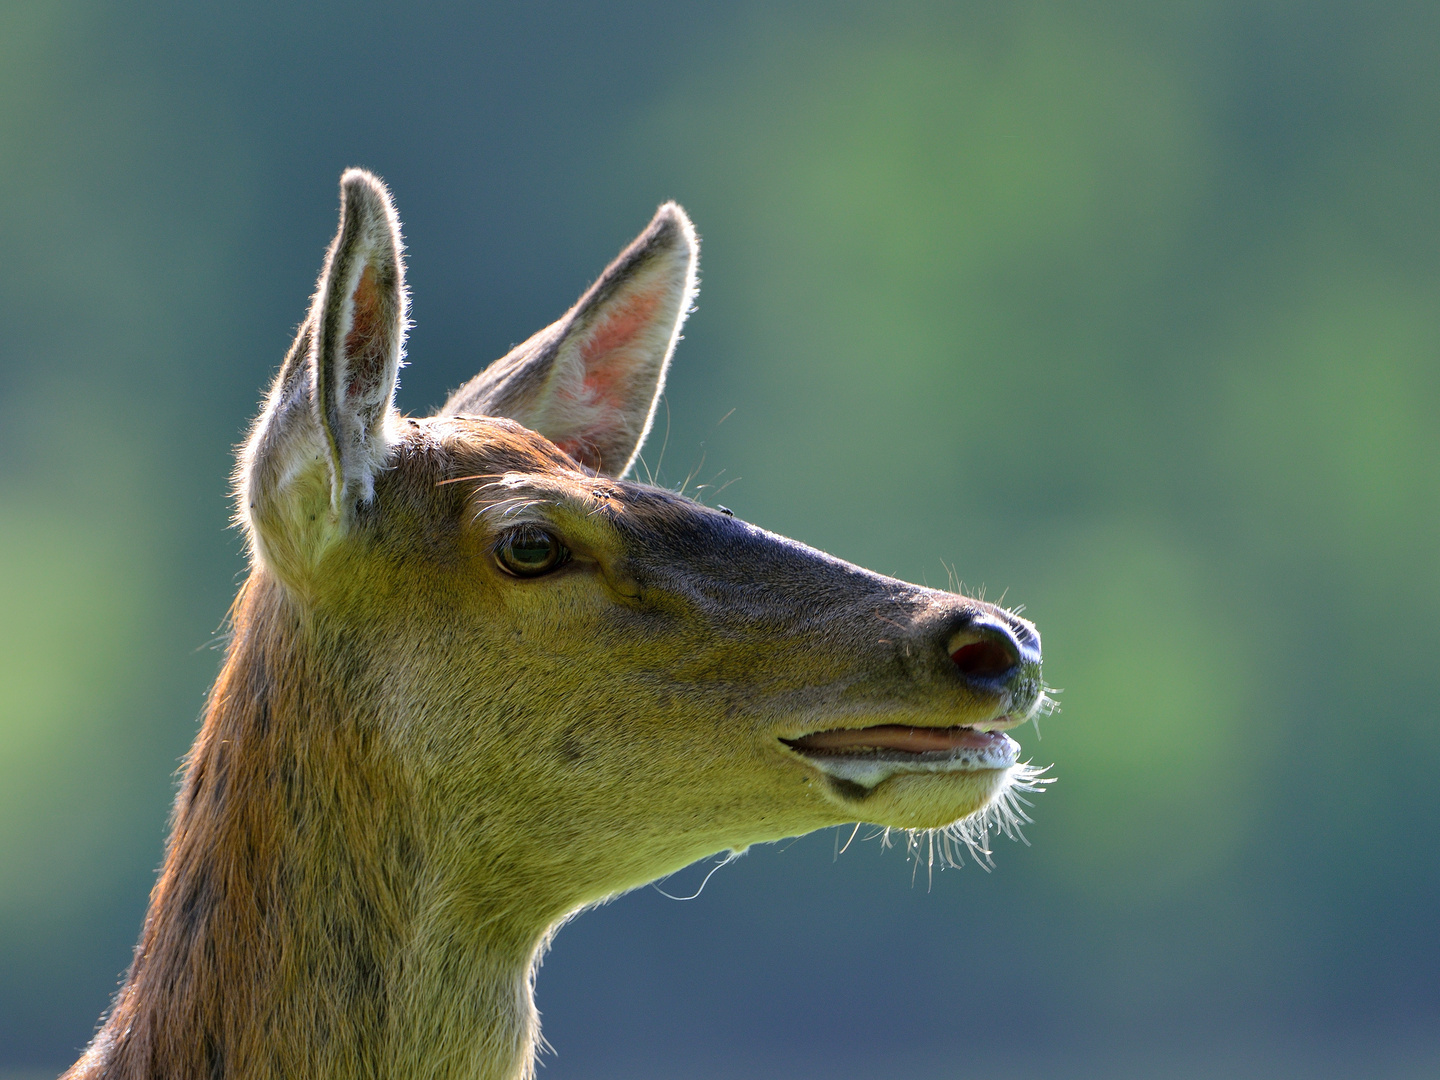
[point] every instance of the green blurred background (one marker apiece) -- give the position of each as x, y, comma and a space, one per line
1125, 311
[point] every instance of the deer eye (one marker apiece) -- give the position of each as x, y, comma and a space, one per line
530, 552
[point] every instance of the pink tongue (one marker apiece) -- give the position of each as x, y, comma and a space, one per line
894, 737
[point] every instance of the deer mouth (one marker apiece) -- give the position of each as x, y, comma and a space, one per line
867, 756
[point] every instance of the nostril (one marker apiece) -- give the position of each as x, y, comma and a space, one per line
984, 659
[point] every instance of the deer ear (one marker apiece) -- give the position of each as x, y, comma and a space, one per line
360, 318
327, 426
590, 382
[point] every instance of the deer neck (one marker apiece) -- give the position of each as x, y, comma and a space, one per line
302, 925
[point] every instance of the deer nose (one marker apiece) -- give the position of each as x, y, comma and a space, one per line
994, 650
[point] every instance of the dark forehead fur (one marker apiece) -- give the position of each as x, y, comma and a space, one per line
466, 465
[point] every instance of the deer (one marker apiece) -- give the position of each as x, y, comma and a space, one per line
476, 681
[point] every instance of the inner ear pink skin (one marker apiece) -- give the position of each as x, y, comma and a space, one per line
365, 344
603, 352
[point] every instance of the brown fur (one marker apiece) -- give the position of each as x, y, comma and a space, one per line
291, 864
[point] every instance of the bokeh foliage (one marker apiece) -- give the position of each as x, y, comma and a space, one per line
1127, 313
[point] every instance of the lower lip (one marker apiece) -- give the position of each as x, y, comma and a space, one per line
868, 756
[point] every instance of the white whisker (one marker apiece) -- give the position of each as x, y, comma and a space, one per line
948, 845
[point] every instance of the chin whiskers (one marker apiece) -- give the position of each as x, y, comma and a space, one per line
947, 846
1004, 816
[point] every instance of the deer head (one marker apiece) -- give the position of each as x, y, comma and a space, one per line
479, 680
